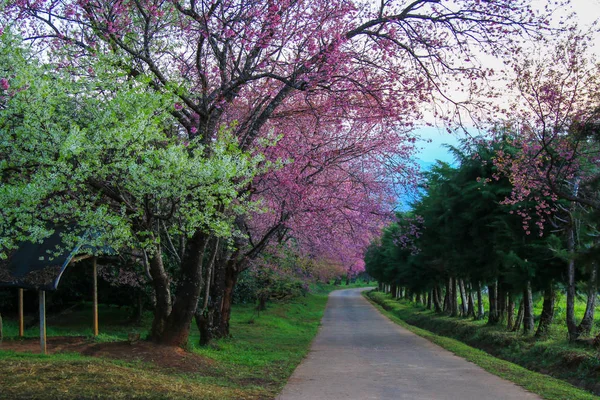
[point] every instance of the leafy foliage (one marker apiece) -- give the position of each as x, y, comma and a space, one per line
107, 153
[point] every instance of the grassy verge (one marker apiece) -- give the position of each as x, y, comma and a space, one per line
544, 385
254, 364
70, 376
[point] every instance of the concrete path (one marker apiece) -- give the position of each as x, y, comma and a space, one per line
360, 354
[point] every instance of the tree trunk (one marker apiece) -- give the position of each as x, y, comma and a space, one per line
547, 311
493, 313
571, 323
585, 327
510, 312
480, 309
454, 298
447, 307
519, 320
394, 290
463, 298
208, 321
528, 322
470, 302
429, 301
231, 276
262, 302
501, 302
437, 303
138, 310
177, 330
418, 299
162, 291
204, 322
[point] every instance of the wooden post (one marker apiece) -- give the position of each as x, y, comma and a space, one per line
43, 321
21, 319
95, 267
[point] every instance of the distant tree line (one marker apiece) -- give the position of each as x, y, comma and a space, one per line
463, 242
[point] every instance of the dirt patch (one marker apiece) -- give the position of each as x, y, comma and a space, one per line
164, 357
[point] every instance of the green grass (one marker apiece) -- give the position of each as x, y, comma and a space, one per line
569, 362
267, 347
74, 376
254, 364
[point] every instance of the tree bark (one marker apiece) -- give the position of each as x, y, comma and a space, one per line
547, 311
480, 306
480, 309
231, 276
208, 320
471, 303
571, 323
501, 302
493, 313
189, 286
204, 322
138, 310
162, 291
429, 300
437, 304
528, 322
519, 319
209, 276
463, 298
394, 290
262, 302
454, 298
510, 312
447, 307
585, 327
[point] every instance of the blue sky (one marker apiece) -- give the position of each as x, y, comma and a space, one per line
430, 149
430, 152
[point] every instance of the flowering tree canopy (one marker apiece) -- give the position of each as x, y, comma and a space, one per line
554, 127
339, 82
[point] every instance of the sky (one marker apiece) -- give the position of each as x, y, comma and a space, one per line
431, 144
433, 138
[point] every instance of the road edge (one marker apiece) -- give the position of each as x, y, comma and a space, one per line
545, 386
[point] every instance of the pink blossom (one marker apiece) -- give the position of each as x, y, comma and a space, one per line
4, 85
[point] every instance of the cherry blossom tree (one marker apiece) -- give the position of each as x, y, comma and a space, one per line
555, 130
265, 65
554, 125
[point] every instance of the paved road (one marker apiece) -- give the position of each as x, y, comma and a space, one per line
360, 354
